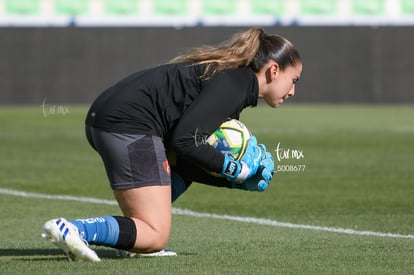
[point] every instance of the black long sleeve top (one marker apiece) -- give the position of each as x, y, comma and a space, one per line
173, 102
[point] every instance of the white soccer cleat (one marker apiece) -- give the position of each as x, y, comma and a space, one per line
66, 236
162, 253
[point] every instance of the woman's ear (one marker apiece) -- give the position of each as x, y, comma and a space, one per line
272, 72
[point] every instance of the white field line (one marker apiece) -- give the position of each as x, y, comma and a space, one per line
185, 212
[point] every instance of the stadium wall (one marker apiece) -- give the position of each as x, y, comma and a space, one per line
73, 65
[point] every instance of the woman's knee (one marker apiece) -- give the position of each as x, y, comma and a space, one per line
151, 238
158, 244
150, 208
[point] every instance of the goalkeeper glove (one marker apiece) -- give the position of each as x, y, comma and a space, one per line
261, 180
239, 170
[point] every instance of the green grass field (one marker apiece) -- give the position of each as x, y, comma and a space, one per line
358, 175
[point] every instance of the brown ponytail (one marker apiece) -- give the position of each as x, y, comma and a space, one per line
236, 52
250, 48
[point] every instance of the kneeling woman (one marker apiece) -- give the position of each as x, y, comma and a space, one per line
135, 122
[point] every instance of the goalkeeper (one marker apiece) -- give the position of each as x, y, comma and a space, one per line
133, 124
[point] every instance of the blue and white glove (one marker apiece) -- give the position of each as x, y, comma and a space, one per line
240, 170
261, 180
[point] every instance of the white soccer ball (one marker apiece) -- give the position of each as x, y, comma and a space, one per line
231, 137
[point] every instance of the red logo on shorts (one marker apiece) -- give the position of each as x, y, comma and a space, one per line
166, 167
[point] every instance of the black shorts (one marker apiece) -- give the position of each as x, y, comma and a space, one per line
131, 160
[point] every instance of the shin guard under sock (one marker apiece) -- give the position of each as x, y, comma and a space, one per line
99, 230
112, 231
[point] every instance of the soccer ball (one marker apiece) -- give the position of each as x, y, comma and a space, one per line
231, 137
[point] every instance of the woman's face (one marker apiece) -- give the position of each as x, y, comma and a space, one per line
275, 85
